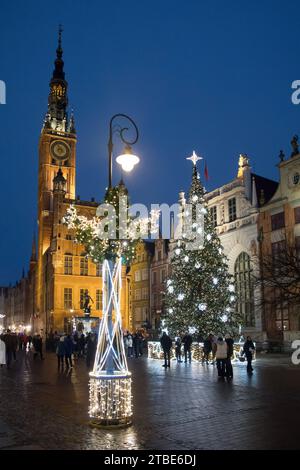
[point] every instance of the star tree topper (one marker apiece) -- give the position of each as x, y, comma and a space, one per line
194, 158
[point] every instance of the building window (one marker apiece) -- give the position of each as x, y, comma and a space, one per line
282, 316
277, 221
98, 299
82, 297
145, 293
137, 276
159, 255
68, 298
213, 215
68, 237
84, 266
162, 275
232, 209
137, 294
68, 264
278, 253
98, 269
137, 314
145, 313
297, 215
154, 278
144, 274
244, 289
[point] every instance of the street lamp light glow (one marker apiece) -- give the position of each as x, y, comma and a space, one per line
127, 160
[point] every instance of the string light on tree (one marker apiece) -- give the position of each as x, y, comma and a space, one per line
201, 287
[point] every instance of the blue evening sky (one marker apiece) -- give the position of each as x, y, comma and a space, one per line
214, 76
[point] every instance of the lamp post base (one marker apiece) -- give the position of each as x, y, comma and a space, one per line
110, 400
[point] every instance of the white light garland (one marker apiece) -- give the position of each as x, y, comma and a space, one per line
180, 297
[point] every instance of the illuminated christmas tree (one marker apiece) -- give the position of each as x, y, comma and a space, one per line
199, 293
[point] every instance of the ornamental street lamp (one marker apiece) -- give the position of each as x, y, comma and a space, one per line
127, 159
110, 380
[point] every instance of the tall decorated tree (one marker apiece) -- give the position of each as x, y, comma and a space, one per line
200, 293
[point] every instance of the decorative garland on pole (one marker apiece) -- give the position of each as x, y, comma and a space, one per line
110, 380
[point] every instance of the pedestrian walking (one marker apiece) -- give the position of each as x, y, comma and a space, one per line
91, 349
187, 344
125, 339
68, 351
207, 349
130, 345
2, 352
229, 369
221, 357
60, 352
166, 344
15, 345
178, 348
9, 347
248, 350
38, 346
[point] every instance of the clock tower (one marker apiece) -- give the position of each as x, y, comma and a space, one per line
57, 151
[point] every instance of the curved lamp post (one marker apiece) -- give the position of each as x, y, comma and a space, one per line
110, 380
127, 159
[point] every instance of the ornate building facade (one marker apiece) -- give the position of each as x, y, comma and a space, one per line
60, 274
279, 225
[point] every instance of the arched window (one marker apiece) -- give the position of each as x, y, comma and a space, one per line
244, 289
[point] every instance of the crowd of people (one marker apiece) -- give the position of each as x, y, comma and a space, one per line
11, 342
219, 349
134, 343
65, 346
68, 347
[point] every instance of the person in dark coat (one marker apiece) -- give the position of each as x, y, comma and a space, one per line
166, 344
15, 345
249, 349
9, 344
178, 349
38, 346
229, 368
68, 351
207, 349
81, 344
91, 349
187, 344
60, 352
136, 344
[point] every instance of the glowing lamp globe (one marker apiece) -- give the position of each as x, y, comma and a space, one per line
127, 160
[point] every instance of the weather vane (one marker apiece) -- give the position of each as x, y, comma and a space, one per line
194, 158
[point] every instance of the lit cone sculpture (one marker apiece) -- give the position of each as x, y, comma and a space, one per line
110, 380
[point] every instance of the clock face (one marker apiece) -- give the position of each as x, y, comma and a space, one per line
60, 150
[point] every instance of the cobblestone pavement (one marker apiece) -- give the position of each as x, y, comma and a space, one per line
183, 408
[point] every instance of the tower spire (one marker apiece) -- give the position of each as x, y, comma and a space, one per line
56, 118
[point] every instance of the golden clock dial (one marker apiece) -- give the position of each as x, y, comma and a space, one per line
60, 150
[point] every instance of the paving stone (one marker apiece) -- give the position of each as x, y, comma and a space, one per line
185, 407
